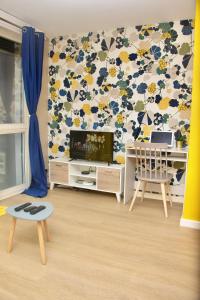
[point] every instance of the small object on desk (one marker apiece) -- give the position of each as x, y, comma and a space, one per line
158, 136
37, 209
18, 208
179, 144
27, 209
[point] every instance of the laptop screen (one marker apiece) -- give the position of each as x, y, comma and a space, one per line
162, 137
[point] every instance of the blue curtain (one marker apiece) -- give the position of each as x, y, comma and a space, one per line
32, 61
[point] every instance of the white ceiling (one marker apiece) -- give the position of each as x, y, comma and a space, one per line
61, 17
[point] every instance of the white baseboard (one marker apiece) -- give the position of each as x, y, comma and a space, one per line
190, 223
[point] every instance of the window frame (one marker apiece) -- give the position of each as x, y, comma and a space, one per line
23, 128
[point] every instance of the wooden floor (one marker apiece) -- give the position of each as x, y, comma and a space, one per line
99, 250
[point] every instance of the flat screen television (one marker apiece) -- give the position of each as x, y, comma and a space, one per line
91, 145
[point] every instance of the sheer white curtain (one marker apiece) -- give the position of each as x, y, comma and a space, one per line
13, 121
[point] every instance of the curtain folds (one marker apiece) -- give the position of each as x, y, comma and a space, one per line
32, 62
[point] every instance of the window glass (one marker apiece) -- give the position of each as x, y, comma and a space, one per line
11, 89
11, 160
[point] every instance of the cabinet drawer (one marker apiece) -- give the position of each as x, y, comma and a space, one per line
58, 172
108, 180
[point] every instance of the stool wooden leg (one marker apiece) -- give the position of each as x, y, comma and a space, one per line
164, 199
46, 230
41, 243
11, 234
43, 230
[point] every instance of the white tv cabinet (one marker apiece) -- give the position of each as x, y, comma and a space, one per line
105, 178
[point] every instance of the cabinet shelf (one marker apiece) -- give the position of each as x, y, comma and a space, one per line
92, 175
83, 186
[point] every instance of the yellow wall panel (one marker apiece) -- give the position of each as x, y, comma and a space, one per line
191, 209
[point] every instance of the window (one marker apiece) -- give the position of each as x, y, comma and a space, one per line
13, 121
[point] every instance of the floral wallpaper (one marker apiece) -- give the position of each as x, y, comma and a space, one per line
129, 80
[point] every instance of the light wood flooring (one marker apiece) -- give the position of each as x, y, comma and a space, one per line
99, 250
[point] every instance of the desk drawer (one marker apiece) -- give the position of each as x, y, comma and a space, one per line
108, 180
58, 172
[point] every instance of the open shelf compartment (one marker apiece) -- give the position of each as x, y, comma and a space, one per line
76, 170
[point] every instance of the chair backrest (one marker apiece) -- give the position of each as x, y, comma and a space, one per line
151, 160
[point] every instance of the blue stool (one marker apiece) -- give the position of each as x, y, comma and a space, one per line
40, 218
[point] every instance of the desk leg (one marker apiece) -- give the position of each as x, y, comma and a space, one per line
11, 234
144, 184
129, 179
41, 242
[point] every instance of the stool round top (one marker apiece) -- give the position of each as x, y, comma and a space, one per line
40, 216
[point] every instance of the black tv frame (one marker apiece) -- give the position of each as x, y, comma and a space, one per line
81, 132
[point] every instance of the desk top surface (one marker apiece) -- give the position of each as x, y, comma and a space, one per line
170, 149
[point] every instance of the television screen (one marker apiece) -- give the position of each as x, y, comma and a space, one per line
91, 145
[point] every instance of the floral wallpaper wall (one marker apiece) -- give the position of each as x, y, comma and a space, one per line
129, 80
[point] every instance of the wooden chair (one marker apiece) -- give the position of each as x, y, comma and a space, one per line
152, 166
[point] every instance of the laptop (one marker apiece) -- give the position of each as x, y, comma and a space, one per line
162, 137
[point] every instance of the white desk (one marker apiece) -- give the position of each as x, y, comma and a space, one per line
175, 155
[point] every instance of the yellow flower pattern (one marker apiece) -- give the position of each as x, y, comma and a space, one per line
141, 52
152, 88
162, 64
112, 71
89, 79
55, 149
77, 122
87, 109
164, 103
124, 56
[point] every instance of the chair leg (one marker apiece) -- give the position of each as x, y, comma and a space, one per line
143, 190
164, 199
135, 195
169, 194
11, 234
41, 242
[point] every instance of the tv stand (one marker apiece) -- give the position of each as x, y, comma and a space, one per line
102, 177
